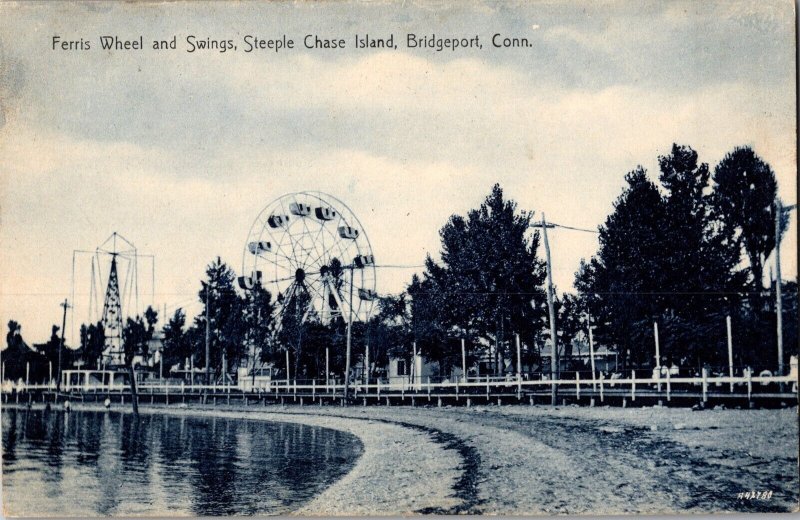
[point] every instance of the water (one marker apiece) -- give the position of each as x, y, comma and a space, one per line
107, 463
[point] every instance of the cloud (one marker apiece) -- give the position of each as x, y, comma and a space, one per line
179, 153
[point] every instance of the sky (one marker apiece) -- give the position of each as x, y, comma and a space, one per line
179, 152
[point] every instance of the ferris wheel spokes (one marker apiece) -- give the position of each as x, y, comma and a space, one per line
310, 243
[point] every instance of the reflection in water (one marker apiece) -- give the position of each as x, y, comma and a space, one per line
109, 463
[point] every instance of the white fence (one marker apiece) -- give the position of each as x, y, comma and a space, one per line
600, 386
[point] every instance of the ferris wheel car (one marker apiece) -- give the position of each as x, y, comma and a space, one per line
262, 246
367, 294
362, 261
276, 221
325, 213
249, 282
245, 282
299, 209
348, 232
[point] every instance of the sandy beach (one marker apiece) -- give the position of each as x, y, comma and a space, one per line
516, 460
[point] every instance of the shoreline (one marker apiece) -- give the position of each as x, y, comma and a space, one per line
384, 479
543, 460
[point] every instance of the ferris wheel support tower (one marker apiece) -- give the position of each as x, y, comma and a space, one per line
121, 289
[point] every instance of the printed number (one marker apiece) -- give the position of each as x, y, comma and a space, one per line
754, 495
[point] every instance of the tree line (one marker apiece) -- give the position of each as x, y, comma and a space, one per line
684, 250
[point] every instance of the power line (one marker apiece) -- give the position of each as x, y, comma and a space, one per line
400, 266
554, 225
594, 231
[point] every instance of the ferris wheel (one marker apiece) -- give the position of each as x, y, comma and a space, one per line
309, 247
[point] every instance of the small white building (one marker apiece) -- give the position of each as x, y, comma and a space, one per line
410, 372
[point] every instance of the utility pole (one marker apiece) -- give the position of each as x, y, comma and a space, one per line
161, 350
779, 210
349, 327
554, 370
730, 349
658, 351
591, 348
253, 340
366, 365
66, 306
208, 339
413, 369
463, 361
550, 310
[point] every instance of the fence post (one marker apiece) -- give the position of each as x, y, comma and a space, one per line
749, 382
669, 386
519, 369
705, 385
602, 377
487, 386
577, 385
313, 388
730, 349
633, 385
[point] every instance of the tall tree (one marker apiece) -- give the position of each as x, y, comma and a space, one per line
259, 324
744, 197
50, 349
16, 353
701, 279
13, 336
488, 277
700, 256
227, 325
176, 342
92, 338
624, 280
674, 256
